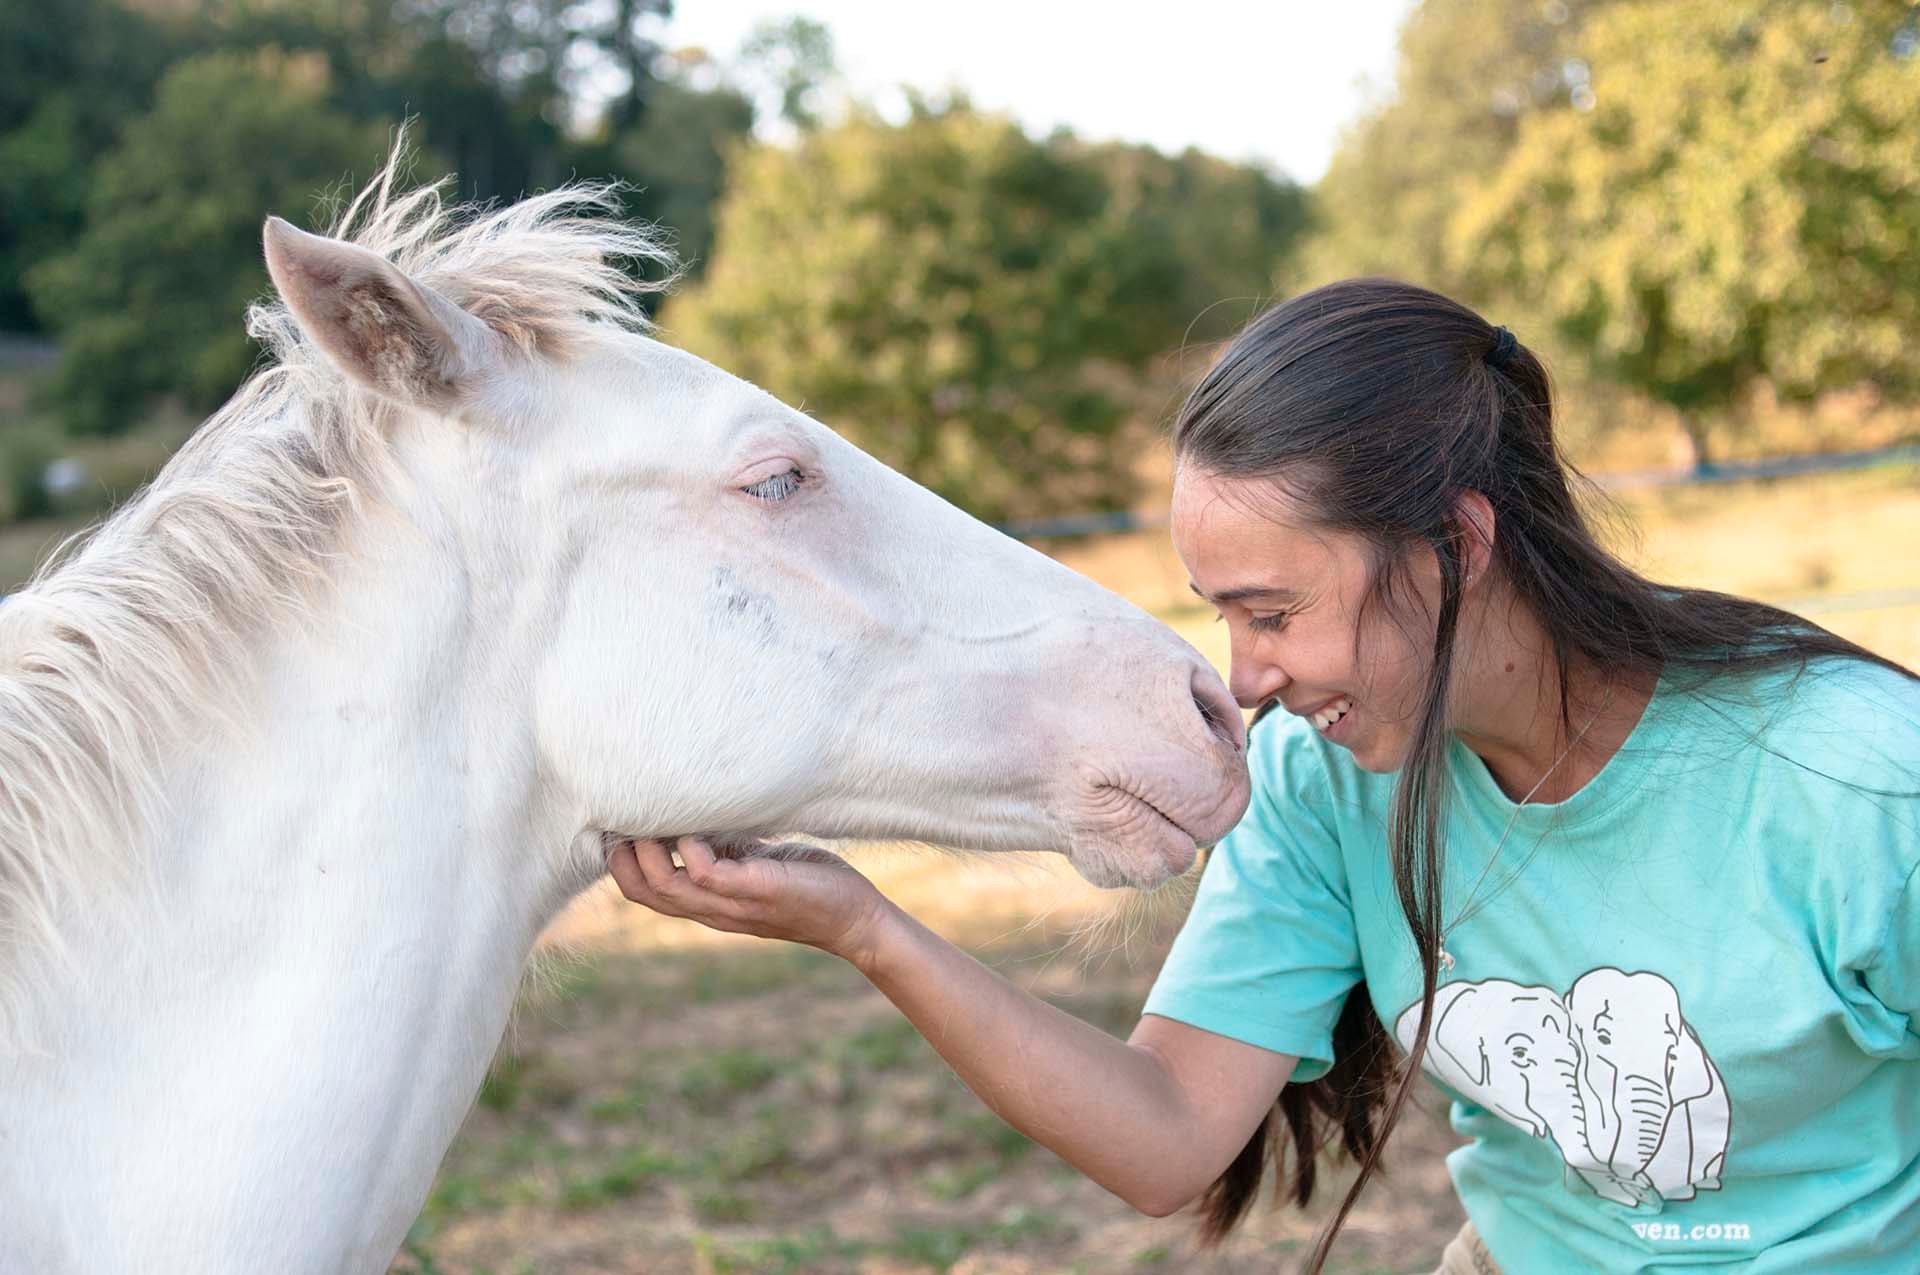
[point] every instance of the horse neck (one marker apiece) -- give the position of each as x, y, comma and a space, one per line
265, 1070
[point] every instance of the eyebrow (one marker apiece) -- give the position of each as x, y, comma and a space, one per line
1244, 592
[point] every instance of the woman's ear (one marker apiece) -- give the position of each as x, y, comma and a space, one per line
401, 340
1473, 520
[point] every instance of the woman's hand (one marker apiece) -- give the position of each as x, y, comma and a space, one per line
803, 894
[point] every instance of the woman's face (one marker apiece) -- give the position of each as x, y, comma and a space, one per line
1292, 599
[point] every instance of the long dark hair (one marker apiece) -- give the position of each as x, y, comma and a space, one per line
1378, 404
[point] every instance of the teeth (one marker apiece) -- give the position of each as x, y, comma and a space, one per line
1326, 717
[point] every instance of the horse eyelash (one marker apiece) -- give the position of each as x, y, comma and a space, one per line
776, 488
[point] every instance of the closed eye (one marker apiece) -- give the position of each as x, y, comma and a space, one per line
777, 487
1269, 623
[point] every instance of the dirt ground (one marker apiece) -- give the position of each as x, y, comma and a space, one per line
676, 1103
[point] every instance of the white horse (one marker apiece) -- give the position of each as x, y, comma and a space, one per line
302, 750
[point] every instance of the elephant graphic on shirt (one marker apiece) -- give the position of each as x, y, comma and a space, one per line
1612, 1074
1656, 1104
1510, 1048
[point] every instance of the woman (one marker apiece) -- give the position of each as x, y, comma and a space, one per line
1629, 869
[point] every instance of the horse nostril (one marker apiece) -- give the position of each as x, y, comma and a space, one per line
1219, 712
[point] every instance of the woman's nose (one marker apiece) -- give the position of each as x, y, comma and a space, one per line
1253, 684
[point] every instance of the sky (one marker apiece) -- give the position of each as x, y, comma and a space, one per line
1270, 80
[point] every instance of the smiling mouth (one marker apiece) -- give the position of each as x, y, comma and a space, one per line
1329, 717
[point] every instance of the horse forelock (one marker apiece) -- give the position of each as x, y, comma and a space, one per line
129, 638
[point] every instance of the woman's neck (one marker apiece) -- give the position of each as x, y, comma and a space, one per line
1508, 708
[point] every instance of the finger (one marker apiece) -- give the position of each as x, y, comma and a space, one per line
702, 868
624, 866
683, 898
625, 869
656, 865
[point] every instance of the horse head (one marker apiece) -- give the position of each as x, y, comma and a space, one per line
738, 623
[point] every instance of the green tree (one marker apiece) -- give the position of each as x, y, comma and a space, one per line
70, 75
1739, 205
622, 39
149, 300
547, 57
473, 75
1469, 73
498, 86
1234, 230
790, 64
963, 300
676, 160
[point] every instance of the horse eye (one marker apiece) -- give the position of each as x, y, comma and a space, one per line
776, 488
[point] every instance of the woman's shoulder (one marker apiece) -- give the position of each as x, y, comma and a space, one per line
1845, 703
1833, 717
1869, 685
1887, 697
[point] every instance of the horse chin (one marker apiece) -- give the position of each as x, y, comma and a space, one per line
1099, 859
1132, 834
1145, 858
728, 845
1102, 871
1142, 824
737, 845
734, 845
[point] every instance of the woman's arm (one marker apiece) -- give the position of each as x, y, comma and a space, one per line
1153, 1119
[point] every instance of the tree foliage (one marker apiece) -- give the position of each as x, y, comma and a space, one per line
676, 160
1233, 228
149, 299
1740, 204
974, 306
541, 52
790, 63
70, 75
1470, 73
513, 96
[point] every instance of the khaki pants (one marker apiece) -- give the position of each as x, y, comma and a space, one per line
1466, 1255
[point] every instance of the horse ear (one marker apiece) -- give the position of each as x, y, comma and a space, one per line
394, 336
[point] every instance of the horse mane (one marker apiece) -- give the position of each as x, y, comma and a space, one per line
128, 637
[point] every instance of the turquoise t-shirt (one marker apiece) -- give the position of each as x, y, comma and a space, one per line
1682, 1023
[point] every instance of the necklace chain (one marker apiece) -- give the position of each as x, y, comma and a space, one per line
1467, 909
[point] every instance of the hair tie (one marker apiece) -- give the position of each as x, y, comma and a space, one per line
1504, 346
